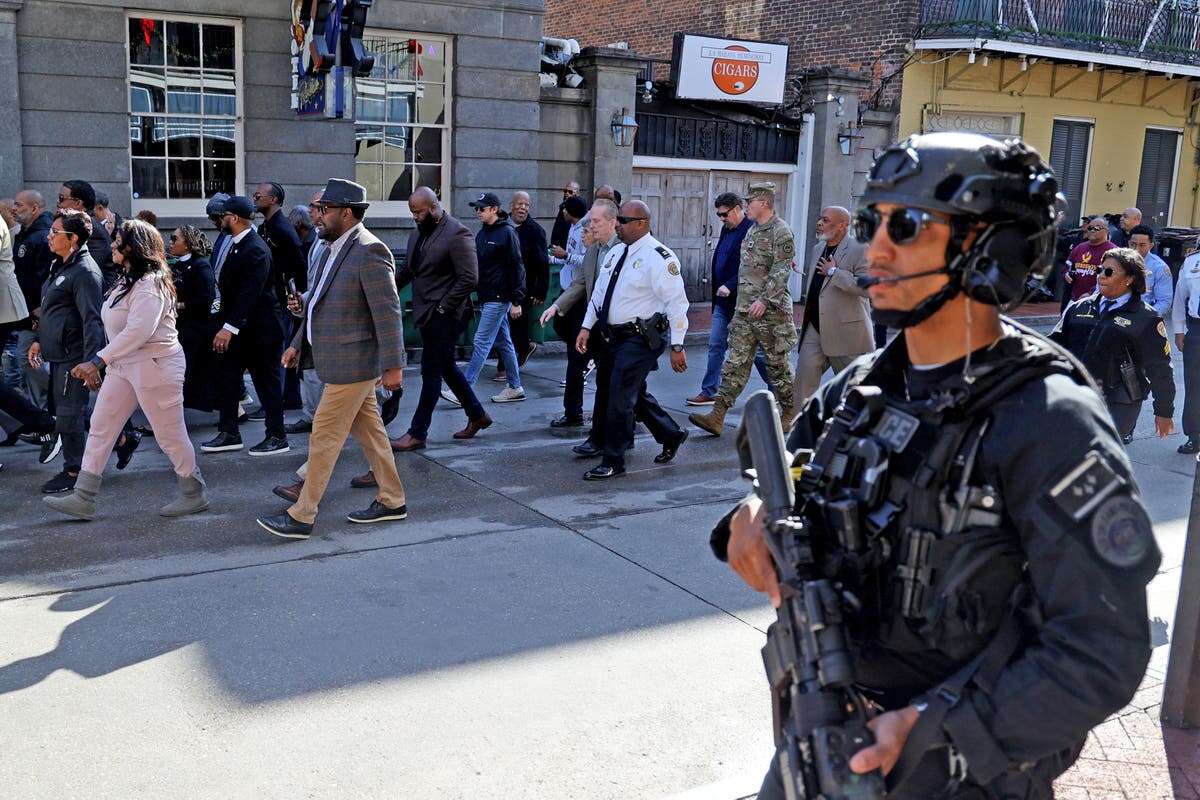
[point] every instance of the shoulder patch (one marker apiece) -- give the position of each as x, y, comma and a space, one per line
1084, 488
1121, 532
664, 252
673, 267
1162, 329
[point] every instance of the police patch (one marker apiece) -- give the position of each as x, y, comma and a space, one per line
1085, 487
1162, 328
672, 268
1121, 532
21, 251
61, 278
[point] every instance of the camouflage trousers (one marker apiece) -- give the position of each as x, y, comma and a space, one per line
776, 332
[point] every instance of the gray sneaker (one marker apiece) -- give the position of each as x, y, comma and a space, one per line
509, 395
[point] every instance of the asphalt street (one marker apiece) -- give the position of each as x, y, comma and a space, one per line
524, 634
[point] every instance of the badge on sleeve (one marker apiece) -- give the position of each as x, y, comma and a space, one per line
1162, 329
1085, 487
672, 268
1121, 532
59, 280
21, 251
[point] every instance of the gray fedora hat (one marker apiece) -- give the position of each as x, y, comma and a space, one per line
340, 192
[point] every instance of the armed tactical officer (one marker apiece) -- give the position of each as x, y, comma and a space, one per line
966, 490
637, 309
1123, 343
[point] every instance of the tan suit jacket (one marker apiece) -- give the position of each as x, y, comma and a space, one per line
845, 313
582, 282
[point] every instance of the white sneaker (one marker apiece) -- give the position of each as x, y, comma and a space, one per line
449, 397
509, 395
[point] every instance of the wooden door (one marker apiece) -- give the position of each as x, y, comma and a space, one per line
677, 199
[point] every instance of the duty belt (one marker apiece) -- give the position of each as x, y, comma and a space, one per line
624, 330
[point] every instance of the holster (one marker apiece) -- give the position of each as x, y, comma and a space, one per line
652, 330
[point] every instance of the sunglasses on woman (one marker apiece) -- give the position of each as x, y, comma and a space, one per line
904, 225
1108, 272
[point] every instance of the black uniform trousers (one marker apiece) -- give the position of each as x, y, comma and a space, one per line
1125, 415
628, 360
439, 335
1191, 379
68, 402
567, 327
258, 349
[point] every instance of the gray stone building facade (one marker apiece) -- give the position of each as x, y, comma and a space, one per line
162, 102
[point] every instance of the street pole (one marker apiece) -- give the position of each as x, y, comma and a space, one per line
1181, 698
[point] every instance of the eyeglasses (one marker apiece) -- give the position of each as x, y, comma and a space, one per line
904, 225
1095, 229
1108, 272
53, 232
627, 220
722, 214
62, 198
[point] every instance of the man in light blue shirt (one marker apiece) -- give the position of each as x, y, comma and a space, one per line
1159, 291
575, 210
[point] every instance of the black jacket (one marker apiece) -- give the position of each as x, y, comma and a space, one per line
32, 257
248, 300
287, 254
70, 329
561, 230
442, 268
195, 290
1132, 333
535, 257
100, 247
501, 270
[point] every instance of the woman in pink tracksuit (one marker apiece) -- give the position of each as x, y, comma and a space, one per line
142, 365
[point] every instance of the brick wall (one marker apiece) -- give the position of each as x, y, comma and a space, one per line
867, 40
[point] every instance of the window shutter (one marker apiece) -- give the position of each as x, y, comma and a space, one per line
1068, 156
1157, 180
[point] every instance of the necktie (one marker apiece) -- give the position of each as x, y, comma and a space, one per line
602, 314
1104, 306
218, 261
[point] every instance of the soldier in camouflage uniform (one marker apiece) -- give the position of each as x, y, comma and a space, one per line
763, 315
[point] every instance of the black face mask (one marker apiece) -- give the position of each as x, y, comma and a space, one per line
427, 224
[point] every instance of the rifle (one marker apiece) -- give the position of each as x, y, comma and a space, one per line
819, 717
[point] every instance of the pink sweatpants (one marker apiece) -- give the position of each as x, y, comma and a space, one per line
157, 386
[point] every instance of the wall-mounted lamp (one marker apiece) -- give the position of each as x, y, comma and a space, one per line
846, 137
624, 128
985, 59
1024, 63
971, 57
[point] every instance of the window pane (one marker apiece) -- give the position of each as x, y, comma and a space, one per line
371, 177
430, 175
397, 180
218, 47
145, 41
429, 145
432, 61
431, 104
220, 139
368, 143
183, 137
398, 146
394, 59
147, 90
368, 101
220, 94
147, 136
149, 178
219, 176
185, 179
183, 44
183, 91
399, 102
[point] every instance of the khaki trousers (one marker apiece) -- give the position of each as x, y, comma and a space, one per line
811, 365
347, 409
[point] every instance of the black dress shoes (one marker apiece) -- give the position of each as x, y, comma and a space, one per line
588, 449
1190, 447
270, 446
299, 426
221, 443
285, 527
602, 472
669, 450
377, 512
567, 422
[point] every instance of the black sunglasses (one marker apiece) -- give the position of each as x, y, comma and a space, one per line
1095, 229
626, 220
722, 214
904, 225
1107, 272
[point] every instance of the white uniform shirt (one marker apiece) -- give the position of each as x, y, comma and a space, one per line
1187, 294
650, 282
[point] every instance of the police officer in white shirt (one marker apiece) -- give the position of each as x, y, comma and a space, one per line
637, 308
1185, 318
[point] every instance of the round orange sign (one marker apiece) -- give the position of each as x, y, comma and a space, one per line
734, 76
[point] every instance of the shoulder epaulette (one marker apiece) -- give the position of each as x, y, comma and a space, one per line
664, 252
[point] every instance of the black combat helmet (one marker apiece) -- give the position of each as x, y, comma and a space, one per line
973, 179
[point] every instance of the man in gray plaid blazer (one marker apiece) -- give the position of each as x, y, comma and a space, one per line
352, 329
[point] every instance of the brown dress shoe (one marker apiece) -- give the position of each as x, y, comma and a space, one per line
289, 493
364, 481
474, 426
407, 443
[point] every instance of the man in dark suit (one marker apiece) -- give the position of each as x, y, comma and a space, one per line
80, 196
443, 269
351, 329
250, 334
287, 253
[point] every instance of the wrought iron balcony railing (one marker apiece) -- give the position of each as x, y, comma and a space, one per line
1155, 30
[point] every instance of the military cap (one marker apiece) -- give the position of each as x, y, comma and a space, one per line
763, 190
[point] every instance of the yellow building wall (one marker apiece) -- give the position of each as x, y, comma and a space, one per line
935, 86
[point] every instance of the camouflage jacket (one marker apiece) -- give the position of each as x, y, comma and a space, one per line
767, 255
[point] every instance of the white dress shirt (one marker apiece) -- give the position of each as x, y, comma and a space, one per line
334, 249
1187, 294
232, 241
650, 282
576, 250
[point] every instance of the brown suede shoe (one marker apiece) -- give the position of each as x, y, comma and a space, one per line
407, 443
364, 481
289, 493
474, 426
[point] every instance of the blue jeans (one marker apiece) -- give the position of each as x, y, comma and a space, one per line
493, 329
718, 344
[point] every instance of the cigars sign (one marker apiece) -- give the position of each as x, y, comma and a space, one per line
707, 68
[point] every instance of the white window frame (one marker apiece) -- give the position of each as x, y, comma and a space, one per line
191, 207
399, 208
1175, 171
